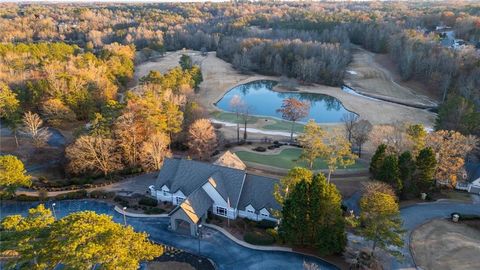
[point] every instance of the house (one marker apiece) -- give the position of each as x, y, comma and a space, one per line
471, 176
197, 188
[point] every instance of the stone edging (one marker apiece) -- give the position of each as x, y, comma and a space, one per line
129, 214
245, 244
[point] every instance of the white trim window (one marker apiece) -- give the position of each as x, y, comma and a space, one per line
179, 200
221, 211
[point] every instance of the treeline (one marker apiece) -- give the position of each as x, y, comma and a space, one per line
139, 133
311, 62
63, 81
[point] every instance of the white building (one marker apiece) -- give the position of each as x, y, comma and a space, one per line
197, 188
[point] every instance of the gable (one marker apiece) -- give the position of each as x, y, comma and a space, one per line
188, 175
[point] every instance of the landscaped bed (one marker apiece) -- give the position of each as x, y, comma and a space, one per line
286, 159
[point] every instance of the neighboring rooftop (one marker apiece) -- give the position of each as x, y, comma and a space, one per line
229, 159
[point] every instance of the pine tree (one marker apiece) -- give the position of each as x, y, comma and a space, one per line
312, 216
390, 173
407, 167
426, 165
377, 160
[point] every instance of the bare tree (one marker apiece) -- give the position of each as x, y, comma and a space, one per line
293, 110
349, 119
93, 153
360, 134
245, 115
33, 126
154, 150
236, 104
202, 139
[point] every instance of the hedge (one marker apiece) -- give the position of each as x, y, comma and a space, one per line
148, 201
266, 224
153, 211
259, 238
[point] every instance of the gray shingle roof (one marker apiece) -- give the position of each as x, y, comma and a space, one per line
195, 205
258, 191
473, 171
189, 175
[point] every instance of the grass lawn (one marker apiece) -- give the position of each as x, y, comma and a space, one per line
284, 125
232, 117
287, 159
276, 125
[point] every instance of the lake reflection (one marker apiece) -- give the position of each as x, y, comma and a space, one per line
262, 100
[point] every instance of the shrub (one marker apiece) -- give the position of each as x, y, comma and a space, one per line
148, 201
260, 149
259, 238
153, 211
120, 200
271, 147
80, 194
266, 224
26, 198
273, 233
101, 194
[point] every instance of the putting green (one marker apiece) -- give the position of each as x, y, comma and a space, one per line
286, 159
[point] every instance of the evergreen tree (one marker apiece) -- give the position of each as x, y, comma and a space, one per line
407, 167
426, 165
312, 216
390, 173
328, 225
377, 160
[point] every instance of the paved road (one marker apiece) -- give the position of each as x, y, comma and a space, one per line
225, 253
416, 215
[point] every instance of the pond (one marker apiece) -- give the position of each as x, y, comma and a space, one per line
262, 100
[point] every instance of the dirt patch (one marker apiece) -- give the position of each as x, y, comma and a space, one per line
376, 75
165, 63
442, 245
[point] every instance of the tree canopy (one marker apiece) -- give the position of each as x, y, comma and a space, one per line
78, 241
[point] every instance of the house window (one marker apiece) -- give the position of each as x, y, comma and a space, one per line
221, 211
165, 193
250, 211
180, 200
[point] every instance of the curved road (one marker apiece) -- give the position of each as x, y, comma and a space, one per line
416, 215
229, 255
224, 252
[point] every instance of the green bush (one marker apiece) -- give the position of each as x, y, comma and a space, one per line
259, 238
101, 194
273, 233
266, 224
26, 198
80, 194
154, 211
120, 200
148, 201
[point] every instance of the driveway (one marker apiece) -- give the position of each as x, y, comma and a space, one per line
416, 215
224, 252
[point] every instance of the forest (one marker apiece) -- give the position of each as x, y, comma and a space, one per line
65, 63
308, 41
